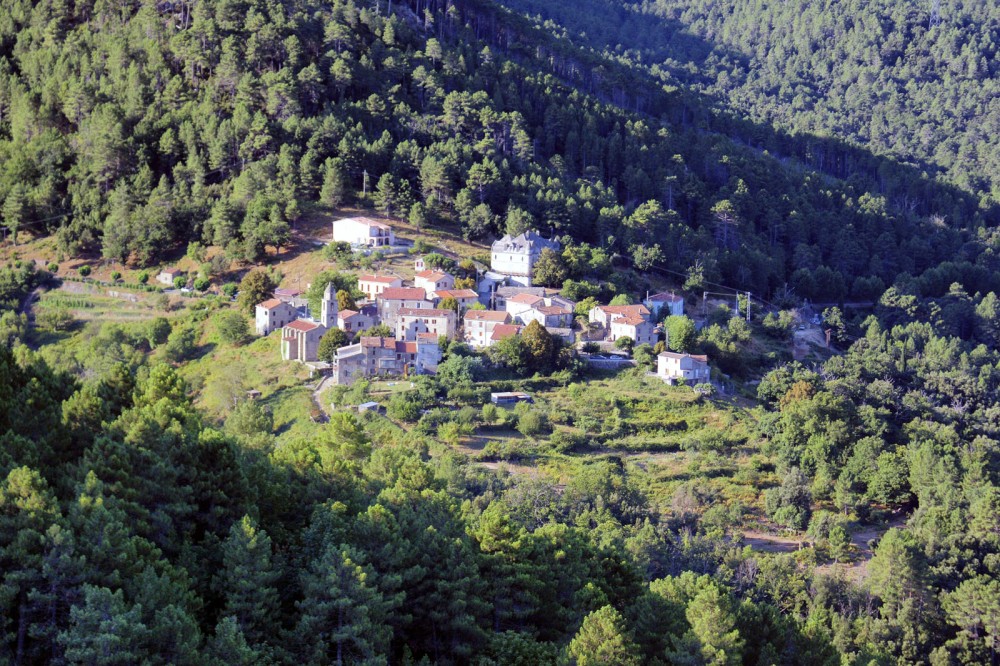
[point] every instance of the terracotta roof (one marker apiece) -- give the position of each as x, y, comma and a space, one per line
289, 293
302, 325
486, 315
505, 331
406, 347
431, 275
697, 357
527, 299
172, 270
346, 314
270, 304
403, 294
424, 312
381, 279
427, 337
384, 343
667, 297
629, 321
456, 293
625, 310
553, 309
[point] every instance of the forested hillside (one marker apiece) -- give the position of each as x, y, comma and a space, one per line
131, 130
173, 492
900, 79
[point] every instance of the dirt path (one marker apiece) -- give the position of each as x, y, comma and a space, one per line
323, 384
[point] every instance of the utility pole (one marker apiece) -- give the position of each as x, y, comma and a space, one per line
748, 306
364, 184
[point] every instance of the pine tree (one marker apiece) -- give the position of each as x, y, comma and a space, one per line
247, 581
342, 615
104, 630
603, 639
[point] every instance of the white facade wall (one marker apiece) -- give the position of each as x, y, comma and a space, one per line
271, 319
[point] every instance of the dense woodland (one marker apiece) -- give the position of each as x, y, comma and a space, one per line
851, 157
132, 130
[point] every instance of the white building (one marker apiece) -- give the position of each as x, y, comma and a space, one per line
635, 327
273, 314
363, 231
479, 325
391, 300
515, 256
549, 312
671, 366
431, 281
411, 323
373, 285
605, 314
664, 304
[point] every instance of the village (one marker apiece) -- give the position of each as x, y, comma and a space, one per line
396, 328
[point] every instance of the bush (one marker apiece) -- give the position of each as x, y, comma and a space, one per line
201, 284
115, 276
624, 343
143, 277
53, 267
401, 408
591, 347
532, 423
84, 270
230, 289
233, 327
180, 282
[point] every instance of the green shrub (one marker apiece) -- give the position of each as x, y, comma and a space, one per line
84, 270
143, 277
53, 267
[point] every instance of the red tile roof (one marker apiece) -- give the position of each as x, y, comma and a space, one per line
403, 294
629, 321
302, 325
406, 347
346, 314
486, 315
270, 304
431, 275
456, 293
527, 299
505, 331
625, 310
667, 297
553, 309
384, 343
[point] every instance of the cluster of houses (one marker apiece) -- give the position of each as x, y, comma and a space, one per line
502, 305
